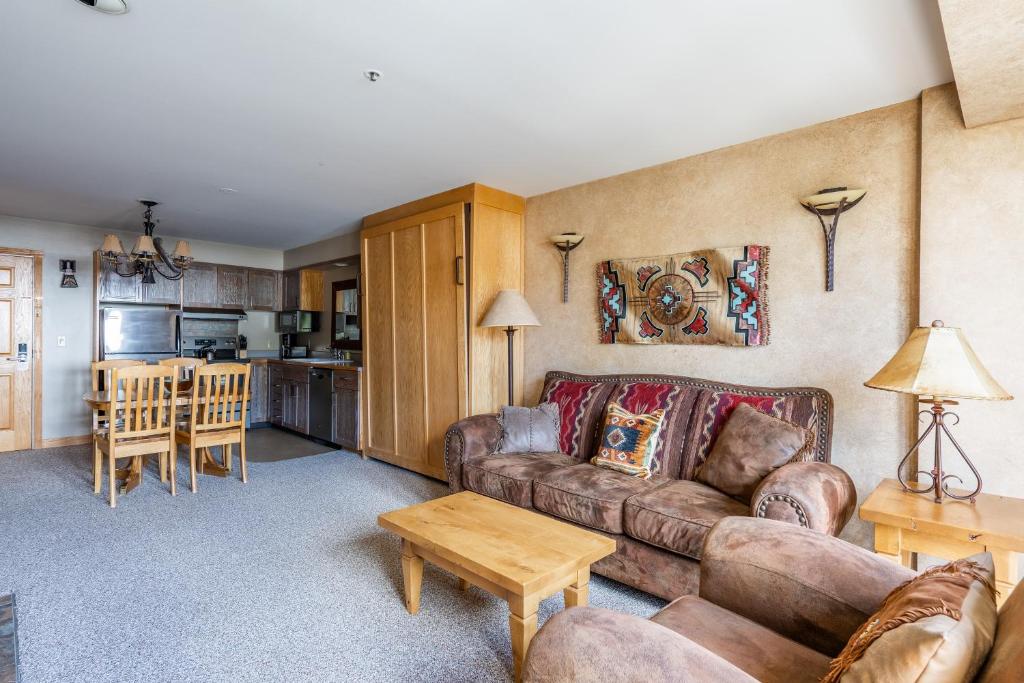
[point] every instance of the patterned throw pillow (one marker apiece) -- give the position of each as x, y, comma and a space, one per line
628, 441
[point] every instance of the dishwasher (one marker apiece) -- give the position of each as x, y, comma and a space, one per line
321, 386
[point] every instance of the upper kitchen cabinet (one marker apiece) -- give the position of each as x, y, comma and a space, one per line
163, 291
303, 290
114, 288
201, 285
264, 290
232, 287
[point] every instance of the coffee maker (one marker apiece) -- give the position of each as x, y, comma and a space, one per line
289, 347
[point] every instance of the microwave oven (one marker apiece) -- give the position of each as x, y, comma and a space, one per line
291, 322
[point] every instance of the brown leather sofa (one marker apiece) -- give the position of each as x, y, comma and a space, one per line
776, 604
659, 524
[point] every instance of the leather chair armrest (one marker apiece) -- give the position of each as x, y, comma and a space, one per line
592, 644
810, 587
815, 495
477, 434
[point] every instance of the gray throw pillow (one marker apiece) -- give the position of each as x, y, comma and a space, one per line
529, 430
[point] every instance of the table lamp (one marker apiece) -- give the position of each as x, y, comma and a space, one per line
510, 310
938, 365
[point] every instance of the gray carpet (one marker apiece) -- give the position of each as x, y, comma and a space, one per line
287, 578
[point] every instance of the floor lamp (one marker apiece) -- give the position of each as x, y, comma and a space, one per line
510, 310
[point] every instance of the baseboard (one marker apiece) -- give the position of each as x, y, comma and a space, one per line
66, 441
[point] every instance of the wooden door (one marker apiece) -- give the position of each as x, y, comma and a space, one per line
258, 393
113, 287
17, 293
163, 291
414, 315
201, 285
263, 290
232, 287
290, 296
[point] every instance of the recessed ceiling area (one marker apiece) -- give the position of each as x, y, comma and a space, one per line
269, 99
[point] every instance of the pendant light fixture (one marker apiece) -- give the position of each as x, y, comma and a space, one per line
107, 6
147, 257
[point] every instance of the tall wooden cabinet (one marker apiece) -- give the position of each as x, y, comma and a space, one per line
430, 268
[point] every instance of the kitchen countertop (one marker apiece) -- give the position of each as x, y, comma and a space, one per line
311, 363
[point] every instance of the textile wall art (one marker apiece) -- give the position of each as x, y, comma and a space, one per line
712, 296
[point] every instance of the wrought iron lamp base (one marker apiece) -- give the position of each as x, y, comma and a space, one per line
938, 415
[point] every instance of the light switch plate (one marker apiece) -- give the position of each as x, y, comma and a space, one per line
62, 341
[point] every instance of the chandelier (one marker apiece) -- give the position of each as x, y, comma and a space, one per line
148, 257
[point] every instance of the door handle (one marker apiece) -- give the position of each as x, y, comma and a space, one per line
460, 278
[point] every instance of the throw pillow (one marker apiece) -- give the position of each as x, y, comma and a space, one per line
628, 441
750, 446
529, 430
939, 626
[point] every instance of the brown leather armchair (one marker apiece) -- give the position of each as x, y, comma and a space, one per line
776, 604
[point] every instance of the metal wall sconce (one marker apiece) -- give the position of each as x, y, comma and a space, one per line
67, 270
566, 242
831, 201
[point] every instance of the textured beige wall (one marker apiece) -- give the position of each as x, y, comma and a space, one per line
972, 247
747, 194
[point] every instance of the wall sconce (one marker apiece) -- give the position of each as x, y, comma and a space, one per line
67, 269
566, 242
831, 201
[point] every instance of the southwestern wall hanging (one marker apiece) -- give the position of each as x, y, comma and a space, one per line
713, 296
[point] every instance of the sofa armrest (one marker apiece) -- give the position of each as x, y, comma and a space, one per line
592, 644
815, 495
478, 434
803, 584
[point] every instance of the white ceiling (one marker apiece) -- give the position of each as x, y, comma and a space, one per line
177, 99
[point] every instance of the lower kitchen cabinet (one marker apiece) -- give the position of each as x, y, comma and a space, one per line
288, 397
345, 410
259, 408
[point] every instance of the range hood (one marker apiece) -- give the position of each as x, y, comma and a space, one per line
213, 313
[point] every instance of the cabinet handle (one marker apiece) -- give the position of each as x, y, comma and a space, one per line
459, 275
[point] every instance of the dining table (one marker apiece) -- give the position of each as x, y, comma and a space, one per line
131, 476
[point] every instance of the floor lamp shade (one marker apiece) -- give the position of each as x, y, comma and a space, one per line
510, 310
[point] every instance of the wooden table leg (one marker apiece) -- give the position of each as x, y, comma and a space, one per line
412, 576
1007, 572
578, 594
889, 544
208, 465
522, 626
463, 585
131, 476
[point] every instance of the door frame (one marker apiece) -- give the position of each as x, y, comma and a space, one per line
36, 438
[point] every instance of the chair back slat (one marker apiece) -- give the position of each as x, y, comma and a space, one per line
186, 367
148, 394
220, 395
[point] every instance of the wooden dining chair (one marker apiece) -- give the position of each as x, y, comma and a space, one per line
220, 398
143, 398
100, 377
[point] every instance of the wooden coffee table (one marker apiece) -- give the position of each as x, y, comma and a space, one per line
515, 554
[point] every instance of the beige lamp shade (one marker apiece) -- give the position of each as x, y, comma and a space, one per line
938, 362
112, 245
182, 250
144, 245
827, 200
509, 309
570, 238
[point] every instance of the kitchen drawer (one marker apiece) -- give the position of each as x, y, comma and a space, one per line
296, 373
345, 379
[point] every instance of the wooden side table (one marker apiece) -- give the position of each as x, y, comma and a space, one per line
906, 523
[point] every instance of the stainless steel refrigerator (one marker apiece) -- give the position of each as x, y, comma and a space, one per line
147, 334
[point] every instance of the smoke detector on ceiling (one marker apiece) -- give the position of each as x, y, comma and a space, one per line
372, 75
107, 6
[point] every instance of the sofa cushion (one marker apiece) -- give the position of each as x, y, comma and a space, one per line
678, 515
751, 446
529, 430
1006, 658
580, 404
628, 440
677, 400
750, 647
588, 495
509, 476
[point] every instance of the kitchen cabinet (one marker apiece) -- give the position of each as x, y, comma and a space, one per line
345, 409
232, 287
264, 290
289, 397
259, 407
163, 291
113, 287
290, 294
201, 285
303, 290
430, 269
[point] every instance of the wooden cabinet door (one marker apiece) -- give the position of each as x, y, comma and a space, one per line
201, 285
263, 290
258, 404
290, 291
345, 427
232, 287
16, 335
276, 391
113, 287
301, 408
163, 291
414, 316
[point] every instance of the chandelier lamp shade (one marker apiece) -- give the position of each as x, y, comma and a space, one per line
938, 365
148, 257
510, 310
